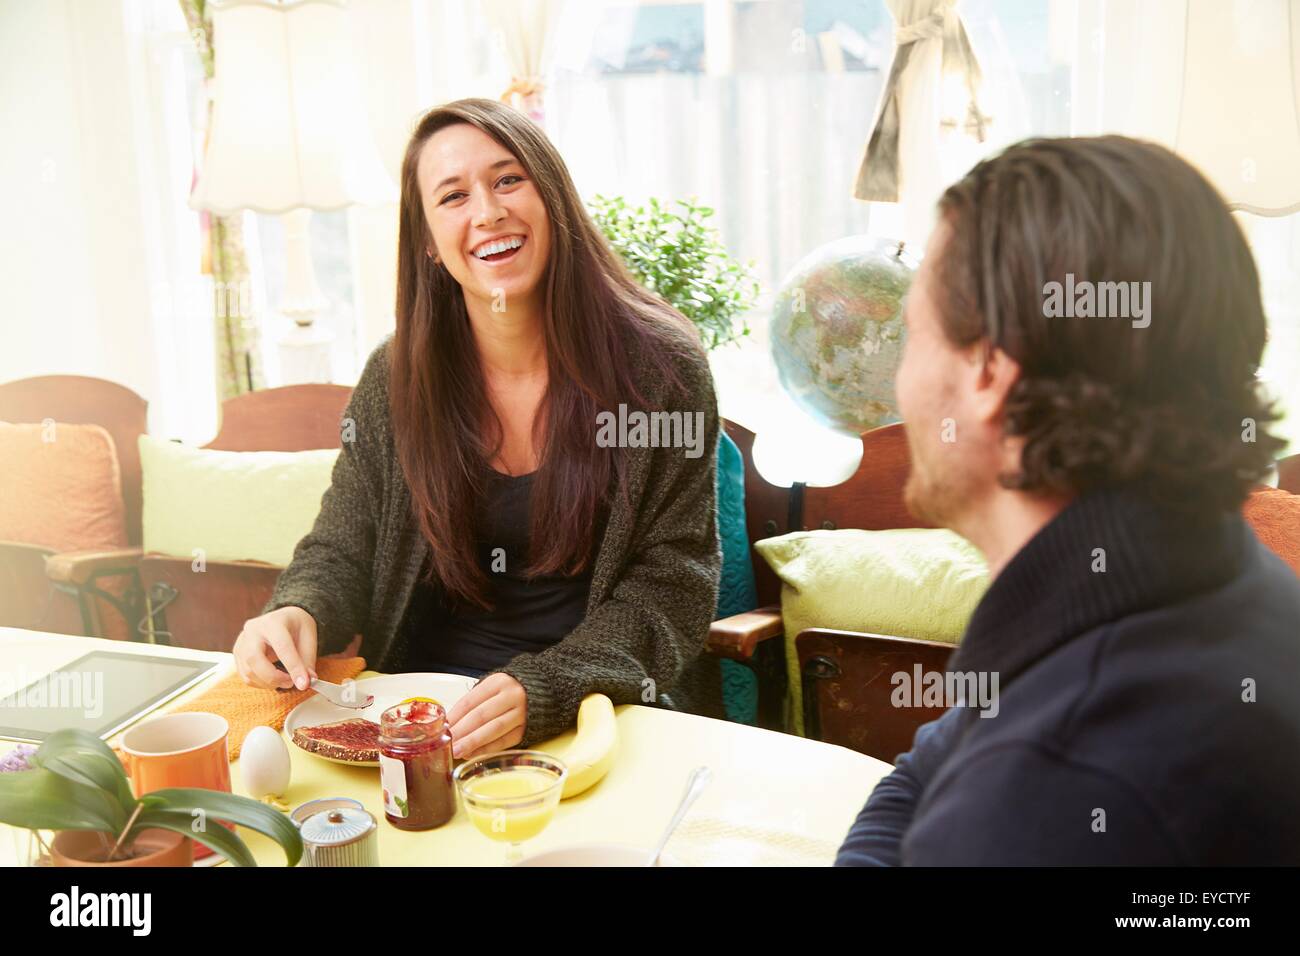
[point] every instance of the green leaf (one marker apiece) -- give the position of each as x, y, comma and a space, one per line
40, 799
234, 809
216, 837
72, 740
82, 757
672, 250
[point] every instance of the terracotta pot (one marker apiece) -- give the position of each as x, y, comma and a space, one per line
153, 848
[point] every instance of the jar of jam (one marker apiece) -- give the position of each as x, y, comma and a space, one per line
415, 766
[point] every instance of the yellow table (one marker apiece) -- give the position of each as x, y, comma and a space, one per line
775, 799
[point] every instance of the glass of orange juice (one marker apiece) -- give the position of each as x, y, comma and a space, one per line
511, 796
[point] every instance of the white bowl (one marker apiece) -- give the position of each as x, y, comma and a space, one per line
596, 854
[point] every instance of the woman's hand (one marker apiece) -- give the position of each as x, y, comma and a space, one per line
490, 717
287, 635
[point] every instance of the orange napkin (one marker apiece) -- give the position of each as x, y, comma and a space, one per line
248, 707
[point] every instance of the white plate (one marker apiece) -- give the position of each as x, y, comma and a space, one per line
596, 854
389, 689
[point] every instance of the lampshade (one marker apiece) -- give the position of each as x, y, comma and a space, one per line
1238, 120
288, 127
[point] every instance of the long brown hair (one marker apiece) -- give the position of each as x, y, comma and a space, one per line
602, 332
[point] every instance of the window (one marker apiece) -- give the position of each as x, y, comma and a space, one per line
331, 257
761, 109
649, 38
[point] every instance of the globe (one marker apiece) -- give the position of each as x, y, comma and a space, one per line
837, 331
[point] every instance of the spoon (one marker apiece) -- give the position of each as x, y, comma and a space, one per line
695, 785
337, 694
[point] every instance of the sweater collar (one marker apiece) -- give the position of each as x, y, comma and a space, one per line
1049, 592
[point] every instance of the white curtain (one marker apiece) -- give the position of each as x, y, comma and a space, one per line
1215, 81
770, 153
527, 29
929, 125
140, 313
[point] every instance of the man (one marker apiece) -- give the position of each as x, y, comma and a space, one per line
1079, 391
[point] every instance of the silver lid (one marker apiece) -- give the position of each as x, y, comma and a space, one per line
337, 827
305, 811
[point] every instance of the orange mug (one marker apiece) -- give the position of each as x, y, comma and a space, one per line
178, 750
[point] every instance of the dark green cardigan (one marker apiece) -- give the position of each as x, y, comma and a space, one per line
654, 584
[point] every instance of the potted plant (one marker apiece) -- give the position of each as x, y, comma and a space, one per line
75, 785
673, 250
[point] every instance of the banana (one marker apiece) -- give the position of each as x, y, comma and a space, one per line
591, 753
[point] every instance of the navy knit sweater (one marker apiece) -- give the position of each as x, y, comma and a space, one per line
1148, 713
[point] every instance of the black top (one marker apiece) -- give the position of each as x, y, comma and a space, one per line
527, 616
1145, 710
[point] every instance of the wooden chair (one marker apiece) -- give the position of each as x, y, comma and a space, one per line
48, 591
208, 610
845, 674
747, 637
1288, 474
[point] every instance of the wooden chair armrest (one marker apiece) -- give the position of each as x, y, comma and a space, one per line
884, 640
79, 567
738, 636
161, 557
26, 550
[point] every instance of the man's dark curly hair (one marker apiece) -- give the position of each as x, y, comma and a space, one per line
1171, 407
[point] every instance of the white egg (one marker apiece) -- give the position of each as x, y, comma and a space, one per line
264, 763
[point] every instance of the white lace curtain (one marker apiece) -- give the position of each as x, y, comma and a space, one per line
527, 31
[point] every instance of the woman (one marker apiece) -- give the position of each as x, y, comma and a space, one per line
474, 523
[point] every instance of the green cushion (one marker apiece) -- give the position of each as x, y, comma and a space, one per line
737, 591
234, 505
909, 582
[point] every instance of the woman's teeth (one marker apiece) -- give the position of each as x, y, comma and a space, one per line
497, 248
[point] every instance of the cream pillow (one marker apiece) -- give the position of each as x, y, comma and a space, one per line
230, 505
908, 582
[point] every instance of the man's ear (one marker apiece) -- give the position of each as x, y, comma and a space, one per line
995, 374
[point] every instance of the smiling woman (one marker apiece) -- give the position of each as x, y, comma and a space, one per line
487, 221
476, 525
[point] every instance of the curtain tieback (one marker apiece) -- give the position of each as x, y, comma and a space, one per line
523, 87
878, 175
930, 28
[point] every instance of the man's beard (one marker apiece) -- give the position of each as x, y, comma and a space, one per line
932, 496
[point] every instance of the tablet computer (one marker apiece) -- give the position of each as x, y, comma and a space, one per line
101, 692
